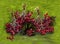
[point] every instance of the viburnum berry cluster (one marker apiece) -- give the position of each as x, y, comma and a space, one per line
26, 25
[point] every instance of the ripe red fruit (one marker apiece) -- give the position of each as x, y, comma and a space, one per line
29, 14
47, 30
38, 30
19, 21
12, 32
32, 20
27, 19
43, 32
30, 32
18, 28
51, 29
8, 25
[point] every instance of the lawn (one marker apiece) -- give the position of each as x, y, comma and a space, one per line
52, 6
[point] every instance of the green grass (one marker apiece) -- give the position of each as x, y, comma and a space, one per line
52, 6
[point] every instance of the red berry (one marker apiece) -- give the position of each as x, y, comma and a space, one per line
43, 32
30, 32
47, 30
51, 29
37, 30
8, 25
12, 32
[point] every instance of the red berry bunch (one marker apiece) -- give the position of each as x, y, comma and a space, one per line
27, 25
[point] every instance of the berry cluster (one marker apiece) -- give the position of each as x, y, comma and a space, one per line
26, 25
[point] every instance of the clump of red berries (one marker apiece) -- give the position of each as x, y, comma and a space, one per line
27, 25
